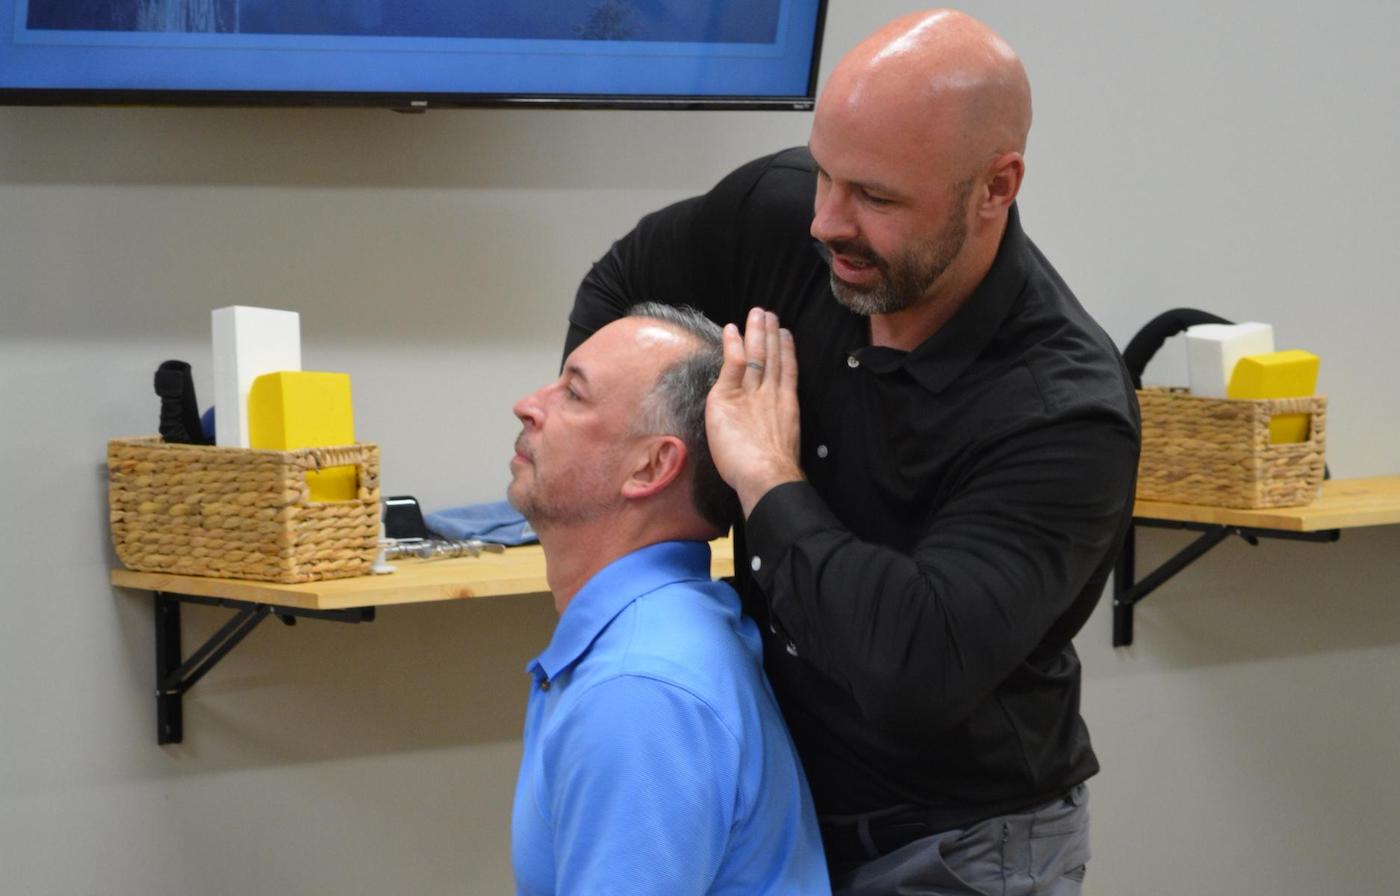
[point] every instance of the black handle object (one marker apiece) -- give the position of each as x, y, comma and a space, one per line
179, 411
403, 518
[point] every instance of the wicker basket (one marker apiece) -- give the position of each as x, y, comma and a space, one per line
1217, 451
238, 513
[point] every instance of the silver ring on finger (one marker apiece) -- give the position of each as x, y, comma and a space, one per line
754, 365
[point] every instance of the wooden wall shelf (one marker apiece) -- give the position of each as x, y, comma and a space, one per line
517, 571
1343, 504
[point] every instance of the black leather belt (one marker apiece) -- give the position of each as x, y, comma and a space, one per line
860, 838
856, 839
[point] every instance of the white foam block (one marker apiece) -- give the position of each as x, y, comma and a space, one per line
248, 342
1213, 349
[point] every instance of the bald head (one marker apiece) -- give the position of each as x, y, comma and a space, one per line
918, 141
944, 74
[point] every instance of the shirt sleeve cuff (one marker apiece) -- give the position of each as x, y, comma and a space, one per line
781, 517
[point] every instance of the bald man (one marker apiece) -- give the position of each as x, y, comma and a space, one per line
930, 513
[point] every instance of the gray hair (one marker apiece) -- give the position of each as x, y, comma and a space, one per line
676, 406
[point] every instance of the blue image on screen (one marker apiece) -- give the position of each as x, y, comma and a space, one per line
719, 21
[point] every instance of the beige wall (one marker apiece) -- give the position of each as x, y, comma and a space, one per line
1182, 155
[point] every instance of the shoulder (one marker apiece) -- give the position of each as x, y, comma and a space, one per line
640, 712
1074, 365
753, 230
785, 178
690, 634
765, 202
1048, 364
773, 171
686, 641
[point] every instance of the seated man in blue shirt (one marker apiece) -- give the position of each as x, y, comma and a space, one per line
655, 757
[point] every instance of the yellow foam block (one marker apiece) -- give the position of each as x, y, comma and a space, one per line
1286, 374
294, 409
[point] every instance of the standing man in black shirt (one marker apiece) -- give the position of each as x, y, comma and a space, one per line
931, 509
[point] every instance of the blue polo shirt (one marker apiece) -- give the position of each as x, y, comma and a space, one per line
656, 760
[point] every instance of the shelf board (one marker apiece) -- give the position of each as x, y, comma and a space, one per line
1343, 504
518, 571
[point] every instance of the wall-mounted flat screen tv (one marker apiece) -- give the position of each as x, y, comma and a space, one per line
412, 54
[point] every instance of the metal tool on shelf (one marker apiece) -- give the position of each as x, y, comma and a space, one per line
437, 548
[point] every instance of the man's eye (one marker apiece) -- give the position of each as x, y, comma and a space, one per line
570, 393
877, 200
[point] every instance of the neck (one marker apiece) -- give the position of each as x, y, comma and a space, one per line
575, 553
911, 327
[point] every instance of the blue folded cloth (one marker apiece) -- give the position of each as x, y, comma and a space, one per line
495, 521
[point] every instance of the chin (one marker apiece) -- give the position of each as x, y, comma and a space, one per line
860, 301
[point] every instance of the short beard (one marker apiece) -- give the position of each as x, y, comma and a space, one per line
907, 280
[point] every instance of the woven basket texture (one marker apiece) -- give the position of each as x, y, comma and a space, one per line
239, 513
1217, 451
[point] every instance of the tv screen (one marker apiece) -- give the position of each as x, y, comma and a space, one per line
412, 54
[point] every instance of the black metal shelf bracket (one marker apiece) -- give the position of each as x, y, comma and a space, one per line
1128, 591
174, 676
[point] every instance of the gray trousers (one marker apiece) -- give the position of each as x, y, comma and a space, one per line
1042, 851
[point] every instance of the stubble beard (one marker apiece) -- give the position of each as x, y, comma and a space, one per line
568, 500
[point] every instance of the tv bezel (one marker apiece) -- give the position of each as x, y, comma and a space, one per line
413, 102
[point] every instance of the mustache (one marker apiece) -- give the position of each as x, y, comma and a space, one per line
850, 249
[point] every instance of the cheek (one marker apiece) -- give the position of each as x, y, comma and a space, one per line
902, 234
883, 237
562, 452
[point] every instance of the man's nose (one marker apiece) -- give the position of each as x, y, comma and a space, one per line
529, 410
831, 219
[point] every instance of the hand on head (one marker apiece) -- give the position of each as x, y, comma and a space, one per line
751, 417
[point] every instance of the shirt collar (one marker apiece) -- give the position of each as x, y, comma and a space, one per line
611, 590
941, 358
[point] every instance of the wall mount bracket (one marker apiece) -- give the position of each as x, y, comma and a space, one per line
1128, 591
175, 676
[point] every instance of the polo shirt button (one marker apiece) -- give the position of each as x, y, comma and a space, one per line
544, 684
791, 649
756, 563
822, 452
851, 361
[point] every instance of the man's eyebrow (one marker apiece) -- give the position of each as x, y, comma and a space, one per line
870, 186
576, 372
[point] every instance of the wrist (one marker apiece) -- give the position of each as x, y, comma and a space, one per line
752, 488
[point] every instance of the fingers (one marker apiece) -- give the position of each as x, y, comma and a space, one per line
787, 382
772, 347
731, 375
766, 352
755, 347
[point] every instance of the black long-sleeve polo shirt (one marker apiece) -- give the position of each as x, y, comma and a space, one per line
962, 506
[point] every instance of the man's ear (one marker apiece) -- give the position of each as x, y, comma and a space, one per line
1004, 176
656, 464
